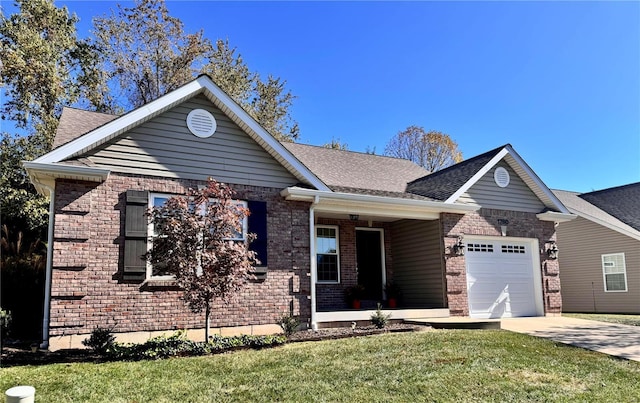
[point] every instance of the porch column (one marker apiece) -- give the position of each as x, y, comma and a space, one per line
312, 253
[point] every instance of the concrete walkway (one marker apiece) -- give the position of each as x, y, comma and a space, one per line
608, 338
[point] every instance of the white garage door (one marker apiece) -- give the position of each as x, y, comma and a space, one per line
501, 279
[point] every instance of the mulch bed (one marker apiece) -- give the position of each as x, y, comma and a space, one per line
18, 356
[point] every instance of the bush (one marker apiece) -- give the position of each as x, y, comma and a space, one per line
177, 345
101, 340
289, 324
379, 319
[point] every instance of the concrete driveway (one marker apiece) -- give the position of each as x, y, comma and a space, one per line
609, 338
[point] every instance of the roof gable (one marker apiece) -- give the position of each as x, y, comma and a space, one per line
201, 85
454, 183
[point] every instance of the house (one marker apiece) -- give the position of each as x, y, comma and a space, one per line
470, 240
600, 250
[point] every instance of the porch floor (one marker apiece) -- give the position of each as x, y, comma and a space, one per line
456, 323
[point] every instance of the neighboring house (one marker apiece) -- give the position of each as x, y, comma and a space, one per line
326, 220
600, 250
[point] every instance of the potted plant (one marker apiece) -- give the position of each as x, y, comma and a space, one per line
392, 291
353, 295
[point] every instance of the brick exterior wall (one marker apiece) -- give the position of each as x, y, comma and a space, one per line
87, 288
331, 297
485, 222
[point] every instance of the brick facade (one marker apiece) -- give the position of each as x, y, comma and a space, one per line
485, 222
87, 287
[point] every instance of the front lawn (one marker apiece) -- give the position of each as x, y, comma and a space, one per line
633, 320
443, 365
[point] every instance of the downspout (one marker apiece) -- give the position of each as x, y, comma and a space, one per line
48, 270
312, 252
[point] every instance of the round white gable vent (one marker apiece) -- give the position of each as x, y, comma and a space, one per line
501, 176
201, 123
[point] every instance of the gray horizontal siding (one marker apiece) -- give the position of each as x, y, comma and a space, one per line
582, 243
516, 196
417, 264
165, 147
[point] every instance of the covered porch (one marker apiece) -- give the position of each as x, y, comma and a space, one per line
368, 250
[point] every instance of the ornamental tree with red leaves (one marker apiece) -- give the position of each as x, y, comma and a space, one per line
196, 240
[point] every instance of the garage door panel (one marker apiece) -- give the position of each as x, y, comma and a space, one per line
500, 279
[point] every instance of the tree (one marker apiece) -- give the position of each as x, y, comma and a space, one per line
432, 150
147, 54
44, 67
193, 242
335, 144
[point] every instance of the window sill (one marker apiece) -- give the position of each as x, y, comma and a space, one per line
159, 283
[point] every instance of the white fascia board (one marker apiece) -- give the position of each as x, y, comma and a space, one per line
338, 202
118, 125
556, 217
538, 182
475, 178
265, 139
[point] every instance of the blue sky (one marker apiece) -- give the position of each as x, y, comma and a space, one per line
560, 81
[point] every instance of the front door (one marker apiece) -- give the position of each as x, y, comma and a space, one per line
370, 258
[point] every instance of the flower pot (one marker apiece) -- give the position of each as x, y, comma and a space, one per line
355, 304
393, 303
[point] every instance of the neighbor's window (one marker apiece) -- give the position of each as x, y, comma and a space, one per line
614, 272
327, 254
158, 200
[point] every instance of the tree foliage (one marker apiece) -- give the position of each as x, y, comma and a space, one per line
335, 144
432, 150
44, 66
193, 243
147, 54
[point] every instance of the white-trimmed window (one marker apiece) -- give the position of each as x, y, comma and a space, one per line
614, 272
158, 200
327, 254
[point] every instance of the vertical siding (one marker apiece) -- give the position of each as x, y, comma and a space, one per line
164, 147
417, 263
582, 243
516, 196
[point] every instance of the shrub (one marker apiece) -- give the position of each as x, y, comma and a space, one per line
379, 319
289, 324
101, 340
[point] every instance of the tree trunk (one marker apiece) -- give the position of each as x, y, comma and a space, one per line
207, 312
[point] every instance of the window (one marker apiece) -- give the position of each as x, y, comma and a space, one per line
614, 272
513, 249
158, 200
479, 247
327, 254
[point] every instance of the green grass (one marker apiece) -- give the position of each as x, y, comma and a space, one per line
443, 365
633, 320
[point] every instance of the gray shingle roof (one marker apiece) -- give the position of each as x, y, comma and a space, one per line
622, 202
347, 170
76, 122
577, 204
440, 185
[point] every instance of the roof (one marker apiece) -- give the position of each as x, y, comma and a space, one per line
76, 122
354, 172
599, 207
441, 185
622, 202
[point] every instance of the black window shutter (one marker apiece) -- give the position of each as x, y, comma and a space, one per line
257, 223
135, 235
